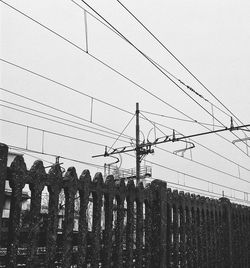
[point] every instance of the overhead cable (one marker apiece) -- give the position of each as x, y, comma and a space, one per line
182, 64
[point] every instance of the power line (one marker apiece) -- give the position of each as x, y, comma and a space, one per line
192, 176
205, 165
57, 109
180, 119
210, 194
109, 136
51, 132
196, 177
157, 39
112, 137
215, 169
152, 62
99, 166
205, 147
97, 59
22, 96
94, 57
49, 154
39, 158
155, 65
65, 39
25, 69
122, 132
165, 70
64, 85
202, 164
52, 120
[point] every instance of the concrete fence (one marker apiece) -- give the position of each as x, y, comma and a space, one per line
131, 226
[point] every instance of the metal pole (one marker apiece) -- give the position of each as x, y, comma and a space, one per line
137, 144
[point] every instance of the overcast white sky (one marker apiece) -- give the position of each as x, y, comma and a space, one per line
212, 38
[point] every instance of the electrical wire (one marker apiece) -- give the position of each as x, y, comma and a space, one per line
52, 120
22, 96
213, 195
111, 147
61, 157
57, 109
99, 166
205, 165
157, 39
196, 177
65, 39
202, 164
180, 119
152, 62
205, 147
63, 85
52, 132
38, 158
21, 13
100, 61
165, 70
157, 67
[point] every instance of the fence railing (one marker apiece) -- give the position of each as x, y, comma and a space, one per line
131, 226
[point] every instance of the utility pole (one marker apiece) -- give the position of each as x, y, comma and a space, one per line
145, 148
137, 148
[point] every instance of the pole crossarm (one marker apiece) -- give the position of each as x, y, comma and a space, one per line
145, 148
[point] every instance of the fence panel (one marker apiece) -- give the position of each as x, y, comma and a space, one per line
130, 226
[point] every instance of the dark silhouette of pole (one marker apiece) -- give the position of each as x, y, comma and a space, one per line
137, 136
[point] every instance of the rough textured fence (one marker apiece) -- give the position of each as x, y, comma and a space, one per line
131, 226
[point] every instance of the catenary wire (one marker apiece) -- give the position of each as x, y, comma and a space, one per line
98, 166
215, 169
210, 194
2, 1
202, 164
53, 120
157, 67
111, 68
30, 155
59, 110
180, 119
197, 191
152, 62
102, 62
118, 34
117, 131
205, 147
195, 177
182, 64
54, 155
52, 132
65, 39
111, 147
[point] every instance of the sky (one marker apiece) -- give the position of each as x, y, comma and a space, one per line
98, 77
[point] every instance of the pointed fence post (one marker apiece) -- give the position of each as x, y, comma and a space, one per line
17, 182
130, 224
97, 212
227, 232
3, 176
119, 225
84, 191
70, 184
54, 188
108, 209
38, 177
159, 228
